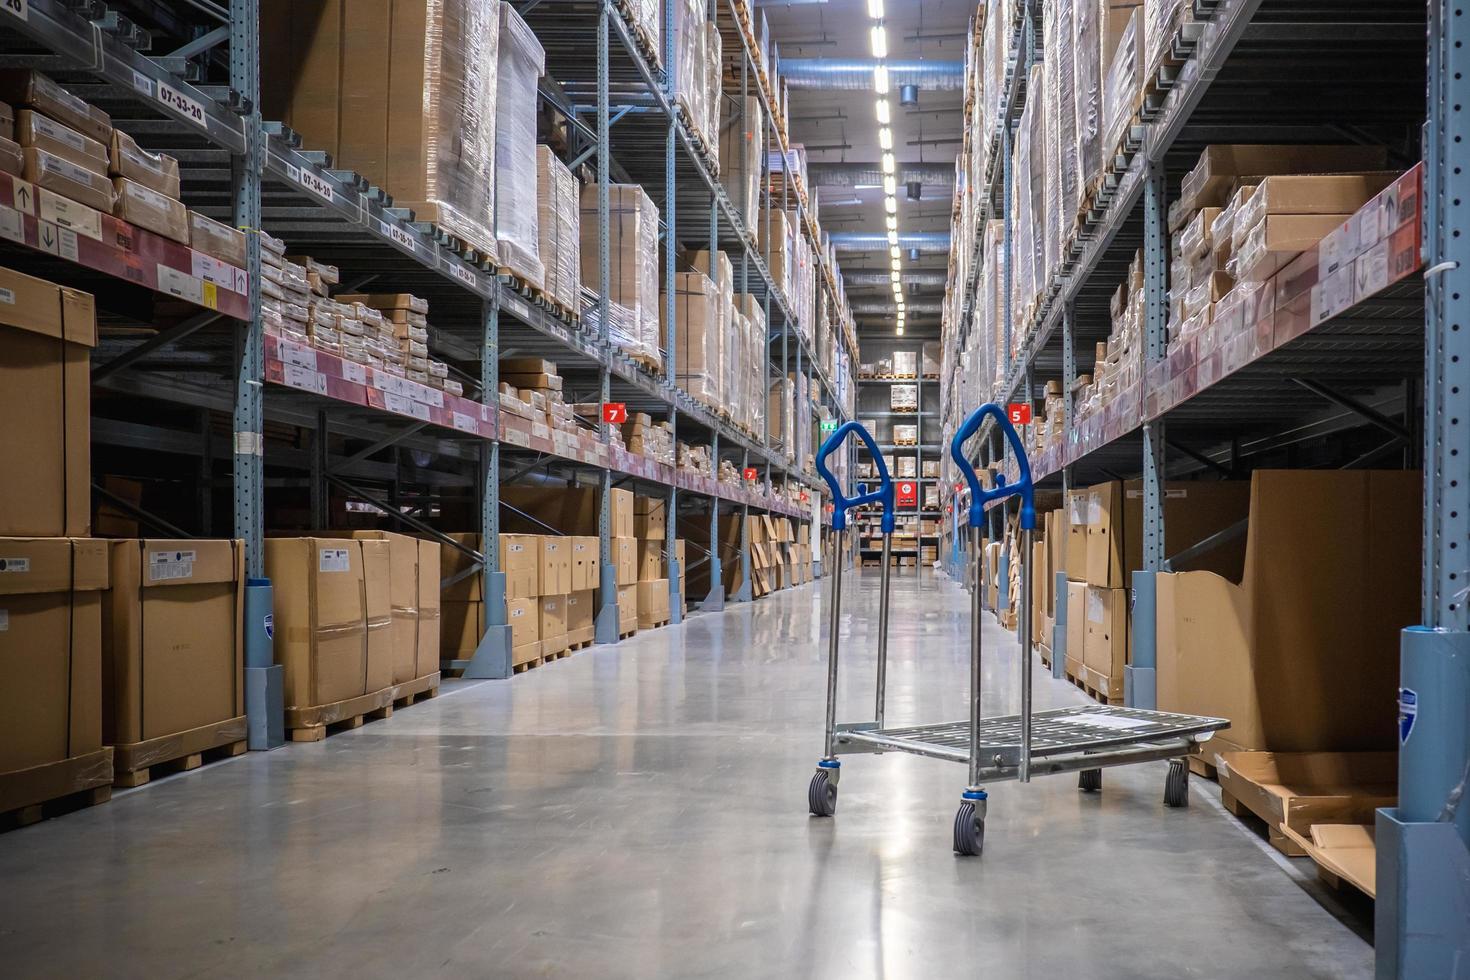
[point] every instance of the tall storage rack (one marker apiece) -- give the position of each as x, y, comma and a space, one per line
313, 425
875, 410
1388, 357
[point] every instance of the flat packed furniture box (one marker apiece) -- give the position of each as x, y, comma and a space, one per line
51, 596
413, 585
46, 336
173, 652
333, 615
1300, 649
1193, 510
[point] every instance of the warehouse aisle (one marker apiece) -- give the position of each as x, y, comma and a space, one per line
641, 811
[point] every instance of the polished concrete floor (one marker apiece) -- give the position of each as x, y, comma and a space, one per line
640, 811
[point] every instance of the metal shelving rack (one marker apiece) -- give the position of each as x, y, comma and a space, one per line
307, 422
921, 449
1346, 372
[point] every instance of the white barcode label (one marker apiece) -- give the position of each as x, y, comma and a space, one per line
7, 296
167, 565
180, 284
142, 83
15, 566
333, 560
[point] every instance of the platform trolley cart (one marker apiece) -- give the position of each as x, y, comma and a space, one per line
1083, 738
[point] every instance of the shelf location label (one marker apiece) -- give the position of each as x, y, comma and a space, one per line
750, 474
1019, 413
190, 109
614, 413
17, 8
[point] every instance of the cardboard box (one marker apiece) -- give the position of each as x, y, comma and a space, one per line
157, 171
1105, 646
524, 617
452, 561
623, 524
627, 608
653, 603
1076, 518
145, 207
426, 650
648, 517
1276, 239
581, 616
333, 617
405, 599
553, 565
625, 557
46, 333
521, 561
50, 649
586, 563
67, 179
650, 559
216, 239
34, 129
1297, 791
1192, 512
24, 87
173, 650
1214, 176
1076, 621
461, 627
1298, 645
552, 622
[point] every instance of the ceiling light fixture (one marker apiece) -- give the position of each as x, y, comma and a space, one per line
890, 204
880, 79
897, 265
875, 9
894, 276
883, 114
892, 222
890, 185
889, 164
894, 253
892, 237
880, 42
899, 331
885, 138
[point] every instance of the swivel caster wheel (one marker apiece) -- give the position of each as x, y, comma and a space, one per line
1090, 780
969, 830
821, 795
1176, 784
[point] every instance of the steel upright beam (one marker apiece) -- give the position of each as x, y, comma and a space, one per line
715, 600
1059, 651
264, 702
1422, 912
492, 657
1139, 690
606, 626
745, 593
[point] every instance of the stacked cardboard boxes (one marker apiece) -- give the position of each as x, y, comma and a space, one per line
522, 62
633, 283
559, 224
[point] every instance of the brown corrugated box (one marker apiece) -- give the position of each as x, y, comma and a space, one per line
625, 559
650, 559
157, 171
653, 603
46, 333
520, 560
586, 562
24, 87
648, 517
553, 565
524, 617
173, 639
50, 649
1210, 183
147, 208
1302, 654
1192, 512
1105, 645
553, 623
217, 240
69, 180
627, 608
581, 615
44, 133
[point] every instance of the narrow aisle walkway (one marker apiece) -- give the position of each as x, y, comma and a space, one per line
640, 811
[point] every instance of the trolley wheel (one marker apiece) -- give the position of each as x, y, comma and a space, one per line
1089, 780
821, 795
969, 831
1176, 784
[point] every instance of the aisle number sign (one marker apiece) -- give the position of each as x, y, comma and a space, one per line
615, 413
1019, 413
908, 493
750, 474
829, 426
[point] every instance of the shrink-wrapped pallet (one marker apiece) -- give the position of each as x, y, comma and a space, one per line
690, 43
711, 77
696, 336
559, 222
1121, 87
633, 321
740, 160
522, 62
1087, 85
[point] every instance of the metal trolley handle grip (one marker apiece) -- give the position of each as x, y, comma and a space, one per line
841, 503
979, 497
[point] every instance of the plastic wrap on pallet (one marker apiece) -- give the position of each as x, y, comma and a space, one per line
522, 62
778, 415
1121, 88
689, 59
559, 223
1066, 118
711, 78
648, 18
1051, 176
740, 160
696, 336
1087, 83
632, 261
1160, 18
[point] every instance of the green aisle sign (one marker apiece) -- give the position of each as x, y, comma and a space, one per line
829, 426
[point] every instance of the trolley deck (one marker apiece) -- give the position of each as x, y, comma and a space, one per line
1081, 738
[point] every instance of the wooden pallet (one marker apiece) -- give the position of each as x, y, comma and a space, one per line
1263, 824
1200, 767
580, 645
629, 633
141, 762
654, 625
55, 788
315, 723
419, 689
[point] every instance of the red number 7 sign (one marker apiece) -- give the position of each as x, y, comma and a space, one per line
615, 413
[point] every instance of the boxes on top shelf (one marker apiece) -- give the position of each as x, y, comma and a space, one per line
522, 62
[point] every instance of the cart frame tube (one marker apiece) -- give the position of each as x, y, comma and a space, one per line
976, 609
1023, 614
830, 751
883, 627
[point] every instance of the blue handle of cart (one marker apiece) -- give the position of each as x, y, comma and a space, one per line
979, 497
841, 504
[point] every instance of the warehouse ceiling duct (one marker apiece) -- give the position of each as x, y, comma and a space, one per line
871, 174
909, 278
873, 241
908, 96
857, 74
